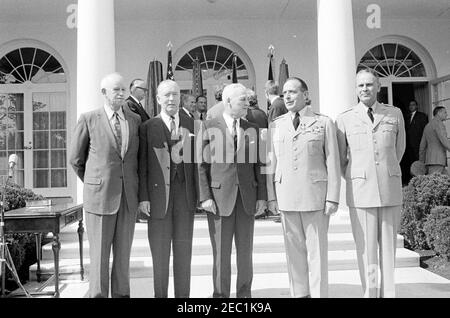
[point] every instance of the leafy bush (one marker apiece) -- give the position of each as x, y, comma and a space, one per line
22, 246
437, 230
421, 195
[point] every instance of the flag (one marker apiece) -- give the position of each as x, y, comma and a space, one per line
154, 77
197, 82
169, 63
270, 76
283, 76
234, 69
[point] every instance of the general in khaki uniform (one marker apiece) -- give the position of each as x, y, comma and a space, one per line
370, 154
305, 163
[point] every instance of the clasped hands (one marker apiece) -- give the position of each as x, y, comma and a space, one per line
210, 206
144, 207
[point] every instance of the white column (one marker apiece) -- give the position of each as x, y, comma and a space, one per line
96, 55
337, 65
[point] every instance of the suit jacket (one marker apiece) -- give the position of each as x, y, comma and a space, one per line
370, 154
154, 164
434, 144
277, 108
305, 162
215, 111
414, 131
137, 109
257, 116
220, 178
97, 162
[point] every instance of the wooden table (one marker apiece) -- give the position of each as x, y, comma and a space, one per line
47, 219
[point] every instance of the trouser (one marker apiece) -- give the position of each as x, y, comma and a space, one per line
306, 244
176, 230
221, 230
375, 234
104, 231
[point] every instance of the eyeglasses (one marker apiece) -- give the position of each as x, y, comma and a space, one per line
143, 88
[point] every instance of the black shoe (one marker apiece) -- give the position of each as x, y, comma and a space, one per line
261, 216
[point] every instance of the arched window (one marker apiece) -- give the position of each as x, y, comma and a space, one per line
30, 64
215, 61
33, 118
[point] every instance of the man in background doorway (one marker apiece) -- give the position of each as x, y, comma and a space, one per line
435, 144
415, 123
202, 107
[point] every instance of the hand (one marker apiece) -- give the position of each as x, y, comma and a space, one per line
272, 206
209, 205
144, 207
261, 206
263, 134
331, 208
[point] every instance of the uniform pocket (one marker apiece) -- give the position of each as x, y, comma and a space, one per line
90, 180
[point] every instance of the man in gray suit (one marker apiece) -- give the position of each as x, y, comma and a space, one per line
304, 182
434, 144
232, 190
371, 138
104, 156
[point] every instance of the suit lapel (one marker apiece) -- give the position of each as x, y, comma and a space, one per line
109, 132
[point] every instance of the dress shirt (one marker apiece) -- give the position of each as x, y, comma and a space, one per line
229, 121
123, 126
166, 119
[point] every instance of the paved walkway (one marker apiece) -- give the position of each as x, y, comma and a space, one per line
270, 274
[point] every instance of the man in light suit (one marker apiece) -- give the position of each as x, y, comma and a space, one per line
232, 190
435, 144
167, 190
371, 138
304, 184
104, 156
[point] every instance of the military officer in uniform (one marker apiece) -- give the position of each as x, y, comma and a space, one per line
371, 139
304, 185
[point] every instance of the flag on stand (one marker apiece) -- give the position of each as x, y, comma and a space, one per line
154, 77
270, 76
283, 76
234, 69
169, 62
197, 82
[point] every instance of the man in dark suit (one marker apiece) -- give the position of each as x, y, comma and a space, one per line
137, 93
415, 123
232, 190
202, 107
104, 156
277, 107
167, 190
187, 106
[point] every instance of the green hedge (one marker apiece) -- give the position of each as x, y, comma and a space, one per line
421, 195
437, 230
22, 246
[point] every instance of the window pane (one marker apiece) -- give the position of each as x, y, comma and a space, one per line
40, 159
40, 179
40, 121
58, 120
59, 178
19, 120
58, 159
40, 140
58, 139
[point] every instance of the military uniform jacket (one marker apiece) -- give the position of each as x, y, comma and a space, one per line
305, 162
370, 155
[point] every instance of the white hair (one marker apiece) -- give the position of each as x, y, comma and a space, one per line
108, 78
230, 89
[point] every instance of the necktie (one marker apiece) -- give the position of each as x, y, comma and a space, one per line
201, 116
173, 130
370, 113
296, 120
235, 135
117, 131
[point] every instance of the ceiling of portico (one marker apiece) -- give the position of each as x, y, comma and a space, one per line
55, 10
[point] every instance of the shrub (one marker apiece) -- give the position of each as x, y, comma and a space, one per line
22, 246
437, 230
421, 195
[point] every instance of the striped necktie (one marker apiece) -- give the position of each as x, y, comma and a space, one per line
117, 131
